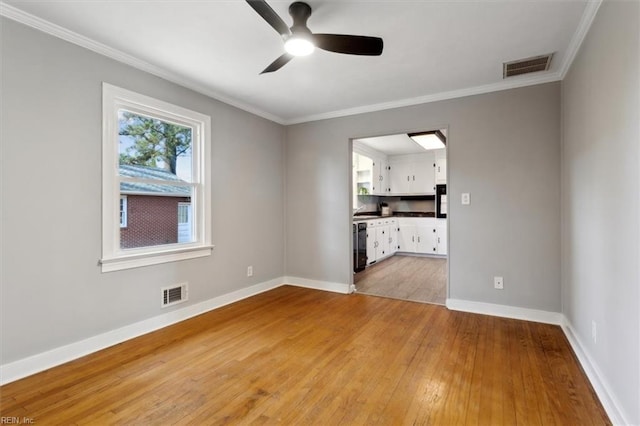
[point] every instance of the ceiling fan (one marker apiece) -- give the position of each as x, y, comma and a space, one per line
300, 41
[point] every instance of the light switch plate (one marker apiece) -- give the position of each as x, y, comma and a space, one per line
466, 199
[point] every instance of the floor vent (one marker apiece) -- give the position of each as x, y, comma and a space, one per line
174, 295
527, 65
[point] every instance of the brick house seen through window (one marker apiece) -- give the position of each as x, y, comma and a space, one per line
154, 214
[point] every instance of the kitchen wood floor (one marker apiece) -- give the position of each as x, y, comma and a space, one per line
419, 279
302, 356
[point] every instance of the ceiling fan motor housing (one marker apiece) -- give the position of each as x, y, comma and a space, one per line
300, 13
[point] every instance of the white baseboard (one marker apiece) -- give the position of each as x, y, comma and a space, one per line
34, 364
505, 311
45, 360
318, 285
606, 396
595, 376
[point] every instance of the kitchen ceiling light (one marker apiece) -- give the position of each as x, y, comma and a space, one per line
429, 140
299, 46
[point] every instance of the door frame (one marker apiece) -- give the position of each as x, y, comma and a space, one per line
450, 206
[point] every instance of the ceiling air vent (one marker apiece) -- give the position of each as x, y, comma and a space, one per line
173, 295
527, 65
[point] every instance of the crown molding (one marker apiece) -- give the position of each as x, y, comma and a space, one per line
55, 30
588, 16
572, 50
50, 28
470, 91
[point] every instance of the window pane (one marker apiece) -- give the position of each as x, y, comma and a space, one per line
157, 219
123, 211
155, 144
185, 223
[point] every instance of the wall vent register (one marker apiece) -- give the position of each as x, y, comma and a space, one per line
174, 295
527, 65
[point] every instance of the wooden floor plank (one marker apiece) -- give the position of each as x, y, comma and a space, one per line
301, 356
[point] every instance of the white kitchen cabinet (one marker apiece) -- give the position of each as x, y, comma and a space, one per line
362, 170
441, 234
370, 174
371, 242
425, 181
387, 236
441, 171
380, 177
406, 237
412, 174
441, 166
426, 239
378, 243
400, 175
393, 236
418, 235
382, 237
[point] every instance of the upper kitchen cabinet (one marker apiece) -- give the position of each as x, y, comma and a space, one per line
362, 174
441, 166
402, 164
412, 174
380, 181
370, 171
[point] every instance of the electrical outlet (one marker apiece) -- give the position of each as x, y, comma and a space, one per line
498, 283
466, 199
594, 332
249, 271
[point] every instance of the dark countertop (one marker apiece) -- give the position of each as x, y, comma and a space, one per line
376, 215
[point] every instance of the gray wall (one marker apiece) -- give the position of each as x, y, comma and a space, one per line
601, 187
53, 292
503, 148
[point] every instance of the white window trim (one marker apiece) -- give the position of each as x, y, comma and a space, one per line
113, 257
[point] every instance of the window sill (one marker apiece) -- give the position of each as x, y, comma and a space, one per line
147, 259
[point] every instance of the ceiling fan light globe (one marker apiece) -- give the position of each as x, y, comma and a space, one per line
299, 46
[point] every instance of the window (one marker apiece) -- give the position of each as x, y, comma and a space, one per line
123, 211
184, 222
156, 173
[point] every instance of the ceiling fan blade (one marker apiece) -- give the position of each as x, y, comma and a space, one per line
278, 63
270, 16
349, 44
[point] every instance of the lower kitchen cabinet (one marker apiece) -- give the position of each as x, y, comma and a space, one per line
441, 234
381, 239
387, 236
420, 235
393, 236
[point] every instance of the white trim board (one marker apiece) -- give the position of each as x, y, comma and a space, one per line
55, 30
594, 374
318, 285
36, 363
39, 362
25, 18
505, 311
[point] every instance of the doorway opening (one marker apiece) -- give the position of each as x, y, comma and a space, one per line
399, 214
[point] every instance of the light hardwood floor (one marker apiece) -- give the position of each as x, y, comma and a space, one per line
301, 356
419, 279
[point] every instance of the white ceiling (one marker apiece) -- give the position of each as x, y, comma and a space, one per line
432, 49
394, 144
